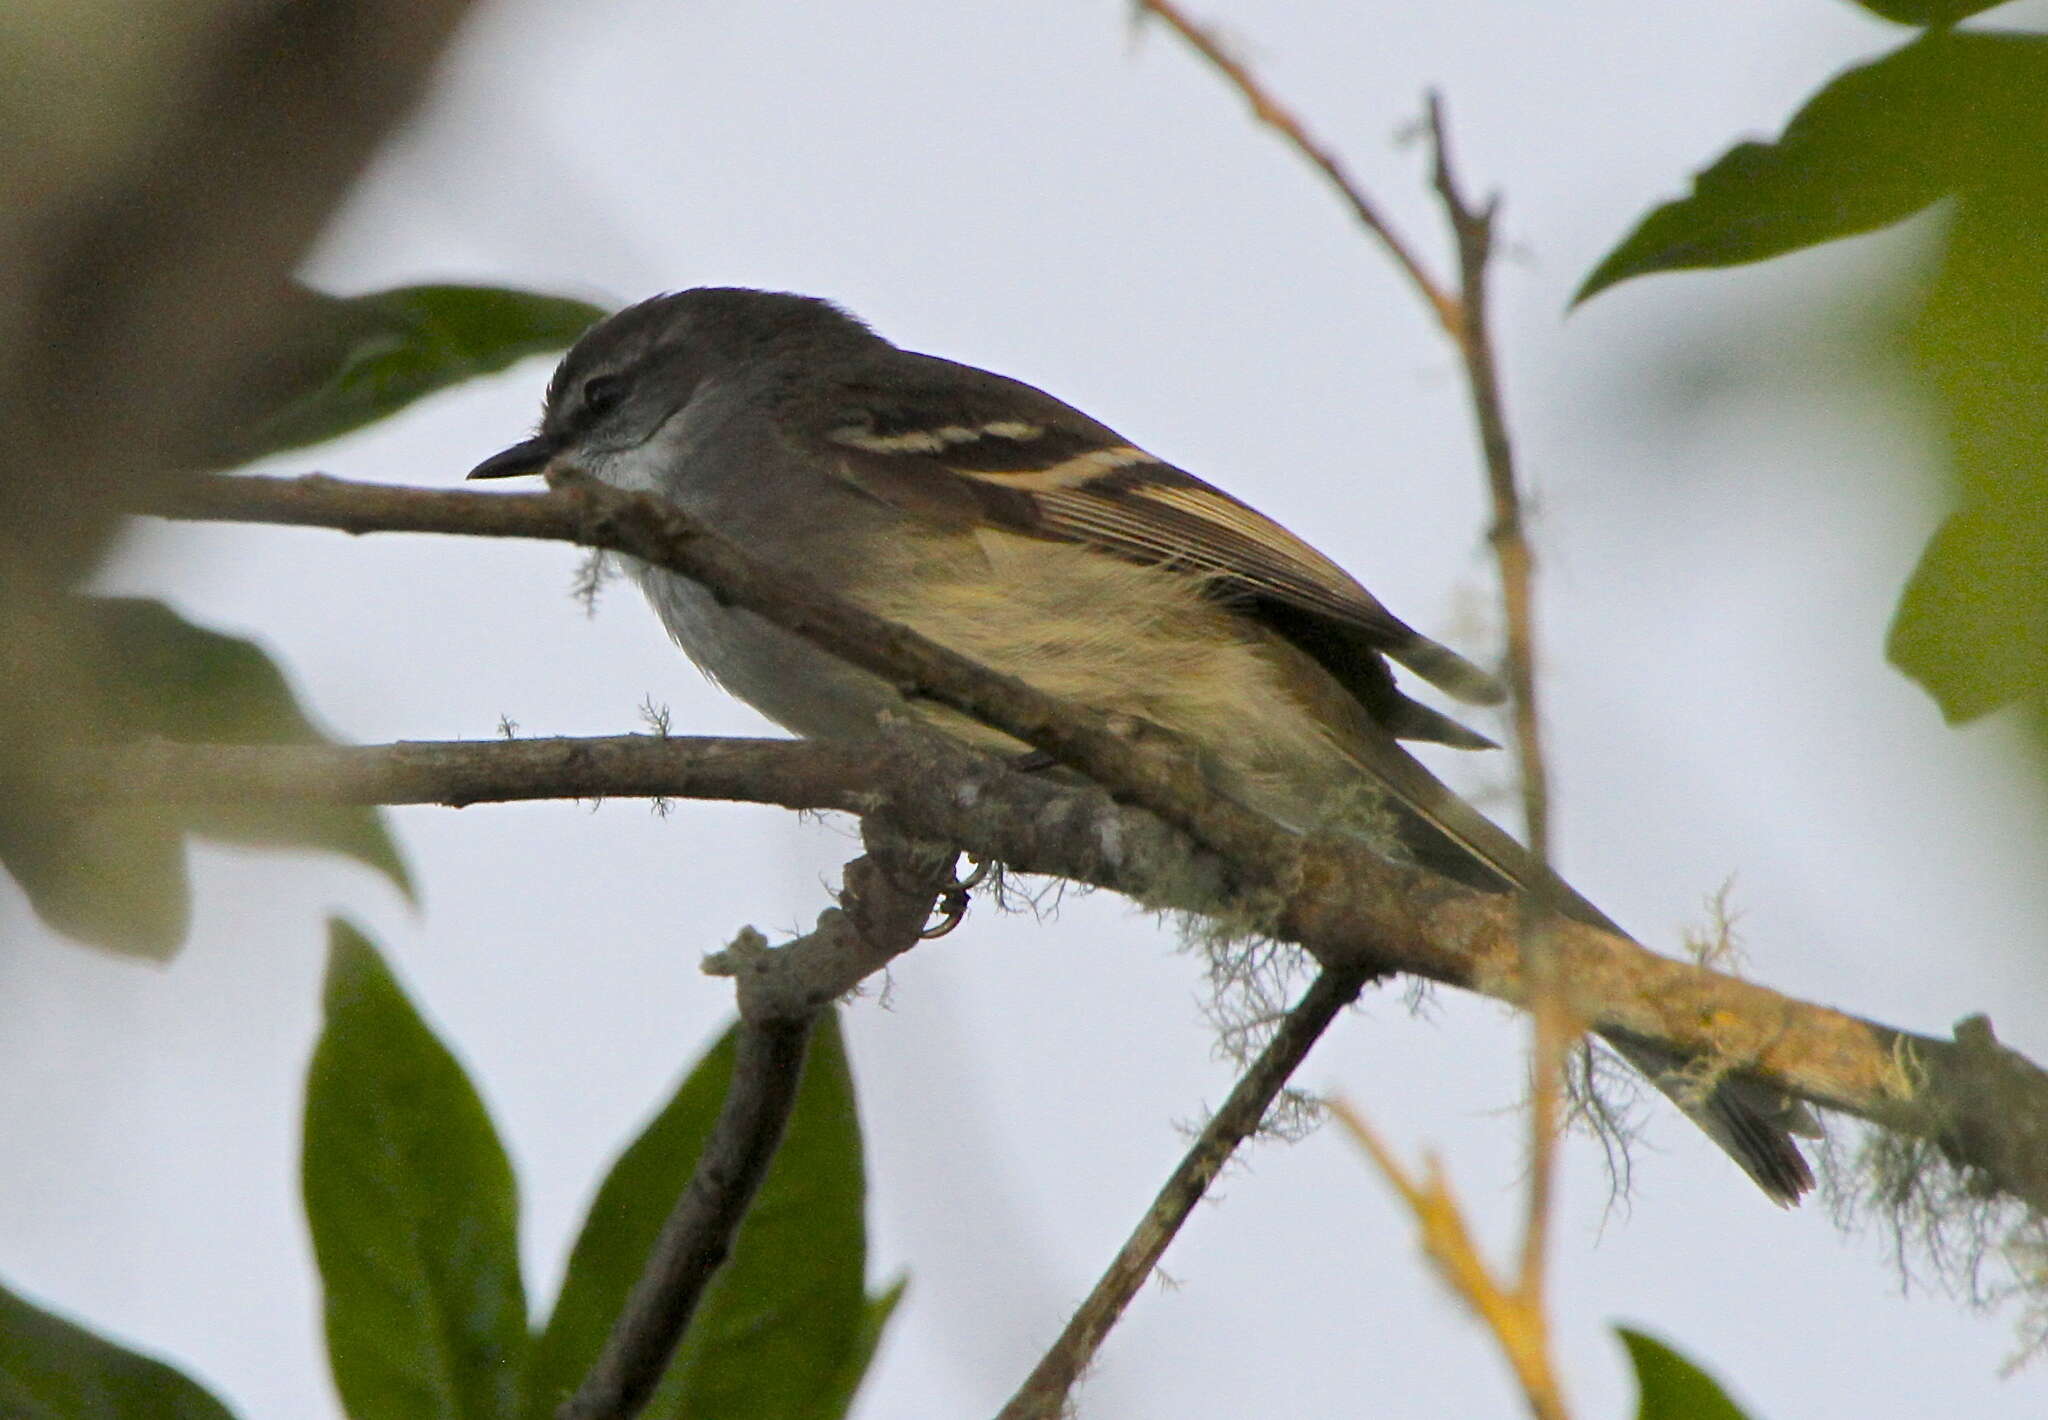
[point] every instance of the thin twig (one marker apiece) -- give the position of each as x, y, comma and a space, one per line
694, 1241
1044, 1393
1442, 301
1472, 227
888, 893
1463, 315
1515, 1318
1551, 1028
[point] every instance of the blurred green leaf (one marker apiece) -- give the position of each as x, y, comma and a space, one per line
1671, 1387
182, 682
873, 1323
1947, 113
115, 876
1973, 624
1928, 12
351, 361
786, 1327
1949, 116
412, 1208
52, 1369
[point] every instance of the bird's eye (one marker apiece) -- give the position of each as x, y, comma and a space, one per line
601, 394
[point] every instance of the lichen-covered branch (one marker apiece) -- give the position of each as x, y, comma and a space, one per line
1334, 897
1987, 1106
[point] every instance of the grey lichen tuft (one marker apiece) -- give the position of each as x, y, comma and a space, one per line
1944, 1227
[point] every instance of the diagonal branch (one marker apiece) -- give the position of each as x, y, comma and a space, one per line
1463, 314
1985, 1105
1512, 1311
1552, 1028
1043, 1396
1441, 300
1121, 752
889, 892
696, 1237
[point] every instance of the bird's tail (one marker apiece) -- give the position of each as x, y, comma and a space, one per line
1751, 1121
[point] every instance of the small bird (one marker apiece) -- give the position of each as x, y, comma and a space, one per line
1009, 526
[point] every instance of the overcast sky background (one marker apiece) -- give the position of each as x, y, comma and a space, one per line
1723, 534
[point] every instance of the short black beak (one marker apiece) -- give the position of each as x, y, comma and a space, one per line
528, 456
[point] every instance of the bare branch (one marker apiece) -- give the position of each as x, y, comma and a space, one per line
1043, 1396
1552, 1029
1441, 300
1986, 1106
1135, 757
697, 1235
1463, 315
1511, 1312
1473, 230
889, 892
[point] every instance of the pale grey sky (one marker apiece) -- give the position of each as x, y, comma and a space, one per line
1021, 186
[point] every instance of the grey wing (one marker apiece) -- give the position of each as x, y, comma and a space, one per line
963, 445
960, 446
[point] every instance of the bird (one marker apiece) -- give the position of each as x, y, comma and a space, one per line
1007, 525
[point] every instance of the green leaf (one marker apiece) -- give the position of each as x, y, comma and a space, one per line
1947, 113
785, 1328
1950, 116
1972, 626
349, 362
1928, 12
52, 1369
413, 1210
873, 1324
1673, 1388
177, 681
115, 876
